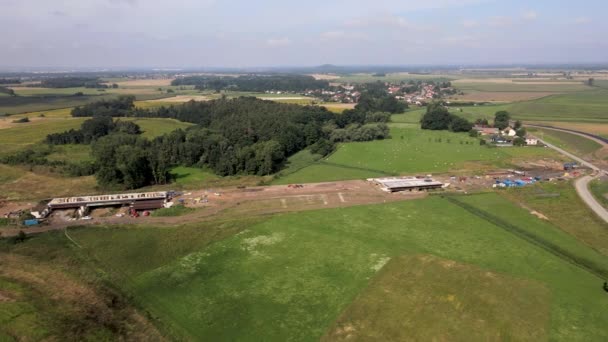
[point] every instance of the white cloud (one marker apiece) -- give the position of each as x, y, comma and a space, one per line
384, 21
469, 23
464, 40
582, 20
500, 21
276, 42
341, 35
529, 15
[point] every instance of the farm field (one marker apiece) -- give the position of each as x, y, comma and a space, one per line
518, 85
306, 275
588, 107
25, 104
499, 96
28, 134
411, 150
561, 205
583, 107
569, 142
438, 291
390, 77
593, 128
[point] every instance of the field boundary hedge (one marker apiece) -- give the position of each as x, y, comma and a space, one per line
548, 246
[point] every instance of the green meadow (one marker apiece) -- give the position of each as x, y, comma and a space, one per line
411, 150
304, 276
570, 142
589, 106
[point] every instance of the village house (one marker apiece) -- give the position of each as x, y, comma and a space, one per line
531, 141
483, 130
510, 132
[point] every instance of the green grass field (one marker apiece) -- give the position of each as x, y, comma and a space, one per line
559, 202
25, 104
570, 142
300, 276
590, 106
390, 77
411, 150
28, 134
153, 127
521, 86
71, 153
599, 188
35, 91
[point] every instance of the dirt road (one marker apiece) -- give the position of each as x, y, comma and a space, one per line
260, 200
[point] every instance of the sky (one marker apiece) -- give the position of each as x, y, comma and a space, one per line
266, 33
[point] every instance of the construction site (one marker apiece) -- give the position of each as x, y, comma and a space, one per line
127, 208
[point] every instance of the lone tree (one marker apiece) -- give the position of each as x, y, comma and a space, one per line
501, 119
517, 125
590, 81
436, 118
521, 132
519, 141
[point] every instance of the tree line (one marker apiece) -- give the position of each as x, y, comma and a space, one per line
7, 90
253, 83
93, 129
122, 106
10, 81
243, 135
73, 82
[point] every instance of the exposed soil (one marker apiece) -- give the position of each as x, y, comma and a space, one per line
260, 200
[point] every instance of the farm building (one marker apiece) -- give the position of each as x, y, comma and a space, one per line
486, 130
510, 132
406, 184
531, 141
138, 201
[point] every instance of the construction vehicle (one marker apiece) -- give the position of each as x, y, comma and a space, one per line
133, 213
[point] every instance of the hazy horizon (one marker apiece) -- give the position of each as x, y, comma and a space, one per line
211, 34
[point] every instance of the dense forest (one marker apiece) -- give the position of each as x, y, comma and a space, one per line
243, 135
254, 83
93, 129
72, 82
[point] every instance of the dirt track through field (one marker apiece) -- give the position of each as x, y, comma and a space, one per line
261, 200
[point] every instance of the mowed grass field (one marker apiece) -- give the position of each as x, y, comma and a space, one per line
426, 268
570, 142
585, 107
27, 134
30, 133
561, 205
411, 150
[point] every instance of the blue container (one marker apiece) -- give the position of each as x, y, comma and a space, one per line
32, 222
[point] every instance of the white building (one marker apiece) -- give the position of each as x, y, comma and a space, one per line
531, 141
510, 132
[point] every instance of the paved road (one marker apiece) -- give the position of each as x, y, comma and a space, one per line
582, 188
582, 184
